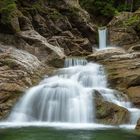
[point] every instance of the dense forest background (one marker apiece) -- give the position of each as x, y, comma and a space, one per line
109, 8
100, 10
105, 8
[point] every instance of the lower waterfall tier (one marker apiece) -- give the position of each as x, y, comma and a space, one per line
69, 97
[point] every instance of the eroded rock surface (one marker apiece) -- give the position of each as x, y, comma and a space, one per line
18, 71
123, 70
138, 125
108, 112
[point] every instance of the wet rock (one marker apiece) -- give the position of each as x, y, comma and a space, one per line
138, 125
135, 47
110, 113
122, 68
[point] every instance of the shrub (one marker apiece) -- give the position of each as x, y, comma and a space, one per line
109, 8
7, 8
131, 21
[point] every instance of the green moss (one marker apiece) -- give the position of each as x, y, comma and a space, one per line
131, 21
109, 8
10, 63
38, 6
74, 11
54, 15
101, 111
7, 10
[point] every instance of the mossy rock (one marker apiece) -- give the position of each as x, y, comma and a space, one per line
132, 21
110, 113
10, 63
9, 16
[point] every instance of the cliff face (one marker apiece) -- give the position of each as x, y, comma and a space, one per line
124, 30
64, 24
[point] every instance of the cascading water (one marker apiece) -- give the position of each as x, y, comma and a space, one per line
68, 96
61, 98
102, 37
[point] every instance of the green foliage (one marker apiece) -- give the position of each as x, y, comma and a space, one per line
99, 7
131, 21
5, 3
38, 5
7, 9
104, 8
109, 8
55, 15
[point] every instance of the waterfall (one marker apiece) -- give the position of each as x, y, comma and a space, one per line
73, 62
68, 96
102, 37
60, 98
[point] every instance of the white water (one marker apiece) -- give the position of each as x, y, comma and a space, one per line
102, 37
61, 98
67, 99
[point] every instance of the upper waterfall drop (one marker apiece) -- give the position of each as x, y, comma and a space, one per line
74, 62
102, 37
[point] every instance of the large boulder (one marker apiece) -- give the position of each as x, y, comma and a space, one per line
18, 71
123, 70
110, 113
32, 42
138, 125
35, 37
